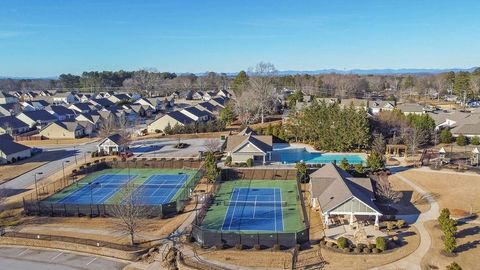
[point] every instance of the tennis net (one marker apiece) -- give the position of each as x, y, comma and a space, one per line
256, 203
126, 185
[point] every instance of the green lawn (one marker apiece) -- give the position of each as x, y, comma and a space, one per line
292, 213
142, 175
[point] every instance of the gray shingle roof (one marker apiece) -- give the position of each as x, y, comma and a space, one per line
180, 117
12, 122
8, 146
39, 115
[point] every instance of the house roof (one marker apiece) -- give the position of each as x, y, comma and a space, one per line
410, 107
208, 106
263, 143
5, 95
122, 96
180, 117
219, 100
468, 129
83, 106
116, 138
334, 186
8, 146
39, 115
60, 110
197, 112
41, 102
67, 125
12, 122
104, 102
247, 131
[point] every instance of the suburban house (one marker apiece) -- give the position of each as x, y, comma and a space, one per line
244, 147
10, 109
101, 102
208, 95
196, 114
207, 106
38, 104
145, 102
335, 193
197, 95
64, 98
467, 130
377, 106
172, 119
119, 98
63, 130
224, 93
81, 107
61, 112
451, 119
6, 98
218, 101
39, 118
93, 118
11, 151
111, 144
12, 125
411, 108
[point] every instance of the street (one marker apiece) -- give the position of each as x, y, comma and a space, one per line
21, 258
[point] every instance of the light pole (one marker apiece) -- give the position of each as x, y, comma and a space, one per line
63, 168
85, 156
75, 153
36, 186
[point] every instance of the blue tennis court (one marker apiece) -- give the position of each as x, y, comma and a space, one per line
254, 209
99, 190
161, 188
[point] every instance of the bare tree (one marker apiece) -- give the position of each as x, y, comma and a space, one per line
413, 138
108, 126
129, 213
125, 132
261, 85
378, 144
385, 190
3, 197
245, 108
212, 145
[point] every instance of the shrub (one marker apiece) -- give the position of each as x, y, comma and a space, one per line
228, 161
276, 247
367, 250
346, 250
475, 140
461, 140
157, 131
400, 223
380, 243
361, 246
238, 246
389, 225
257, 247
342, 242
249, 162
375, 250
454, 266
445, 136
371, 246
357, 250
359, 168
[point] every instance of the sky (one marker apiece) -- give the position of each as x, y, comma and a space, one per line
49, 37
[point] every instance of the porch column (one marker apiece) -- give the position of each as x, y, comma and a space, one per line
326, 220
351, 219
263, 159
269, 155
376, 222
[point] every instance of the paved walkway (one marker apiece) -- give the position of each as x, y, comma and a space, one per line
412, 261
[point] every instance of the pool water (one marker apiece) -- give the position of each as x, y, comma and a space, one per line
294, 155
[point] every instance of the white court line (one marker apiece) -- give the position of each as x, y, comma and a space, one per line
275, 210
254, 206
20, 254
234, 207
58, 255
91, 261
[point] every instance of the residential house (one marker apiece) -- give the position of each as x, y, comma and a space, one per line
196, 115
37, 119
377, 106
101, 103
207, 106
467, 130
92, 117
111, 144
12, 125
29, 95
170, 119
62, 113
63, 130
224, 93
10, 109
82, 107
208, 95
64, 98
6, 98
45, 93
219, 101
119, 98
411, 108
10, 151
333, 191
84, 98
450, 119
35, 105
244, 147
188, 95
146, 102
197, 95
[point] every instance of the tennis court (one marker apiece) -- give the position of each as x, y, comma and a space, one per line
99, 190
254, 209
160, 188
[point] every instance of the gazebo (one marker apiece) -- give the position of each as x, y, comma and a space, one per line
396, 150
335, 193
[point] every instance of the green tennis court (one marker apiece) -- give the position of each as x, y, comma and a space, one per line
221, 213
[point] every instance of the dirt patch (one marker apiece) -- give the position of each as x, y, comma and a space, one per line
447, 188
468, 241
337, 260
411, 202
250, 258
8, 172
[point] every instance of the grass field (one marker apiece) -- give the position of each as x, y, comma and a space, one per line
292, 213
142, 176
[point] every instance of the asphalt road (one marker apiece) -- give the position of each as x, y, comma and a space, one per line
65, 153
20, 258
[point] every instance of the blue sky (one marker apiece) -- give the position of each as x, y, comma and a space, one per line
47, 38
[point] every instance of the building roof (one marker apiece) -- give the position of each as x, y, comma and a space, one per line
208, 106
180, 117
5, 95
247, 131
8, 146
104, 102
116, 138
82, 106
197, 112
263, 143
122, 96
39, 115
67, 125
60, 110
40, 102
467, 129
334, 186
410, 107
12, 122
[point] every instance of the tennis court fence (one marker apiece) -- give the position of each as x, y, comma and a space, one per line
36, 203
258, 174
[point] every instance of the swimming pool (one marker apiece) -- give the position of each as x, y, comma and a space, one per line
294, 155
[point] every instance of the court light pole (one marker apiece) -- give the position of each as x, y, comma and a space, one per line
35, 179
63, 168
75, 153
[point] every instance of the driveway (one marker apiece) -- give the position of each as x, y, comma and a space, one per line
413, 261
20, 258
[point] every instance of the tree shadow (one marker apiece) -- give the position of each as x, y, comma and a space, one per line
467, 232
467, 246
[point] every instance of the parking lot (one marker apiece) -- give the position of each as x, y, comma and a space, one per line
165, 148
21, 258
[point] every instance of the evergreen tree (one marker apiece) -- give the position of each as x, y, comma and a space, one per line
461, 140
475, 140
240, 82
375, 161
445, 136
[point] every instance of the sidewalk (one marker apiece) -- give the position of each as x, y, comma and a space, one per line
413, 261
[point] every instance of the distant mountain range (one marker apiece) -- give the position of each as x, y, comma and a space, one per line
412, 71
